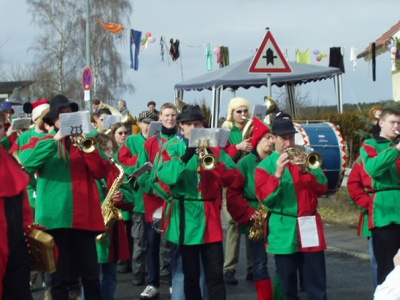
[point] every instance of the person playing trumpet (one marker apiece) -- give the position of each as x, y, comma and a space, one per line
242, 204
68, 202
290, 192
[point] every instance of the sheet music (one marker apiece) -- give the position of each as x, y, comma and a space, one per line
110, 120
75, 123
154, 128
308, 231
21, 123
259, 111
204, 134
18, 111
223, 136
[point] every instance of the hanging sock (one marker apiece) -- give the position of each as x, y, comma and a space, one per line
136, 36
224, 57
336, 58
174, 50
303, 57
353, 56
208, 56
373, 54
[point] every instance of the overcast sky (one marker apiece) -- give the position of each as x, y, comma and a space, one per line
239, 25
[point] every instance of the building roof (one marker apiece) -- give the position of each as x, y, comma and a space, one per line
7, 87
380, 43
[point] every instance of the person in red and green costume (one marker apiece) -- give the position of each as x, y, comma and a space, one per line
68, 202
290, 192
237, 118
127, 156
15, 218
242, 204
380, 160
155, 244
191, 217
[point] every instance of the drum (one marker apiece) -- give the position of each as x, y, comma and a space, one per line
157, 219
326, 139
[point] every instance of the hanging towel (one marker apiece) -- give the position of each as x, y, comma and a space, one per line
136, 36
336, 58
353, 56
208, 56
303, 57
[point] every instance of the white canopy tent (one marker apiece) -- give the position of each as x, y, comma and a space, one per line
236, 76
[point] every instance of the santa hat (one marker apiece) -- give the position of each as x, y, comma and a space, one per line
234, 104
38, 107
260, 128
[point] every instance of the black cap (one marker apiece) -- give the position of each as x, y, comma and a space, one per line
283, 126
58, 102
191, 113
147, 116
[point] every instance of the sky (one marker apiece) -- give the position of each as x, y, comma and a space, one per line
240, 26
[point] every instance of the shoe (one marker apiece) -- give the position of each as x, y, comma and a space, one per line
230, 278
47, 294
150, 292
249, 277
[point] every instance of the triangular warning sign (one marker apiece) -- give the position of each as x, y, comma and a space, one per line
269, 58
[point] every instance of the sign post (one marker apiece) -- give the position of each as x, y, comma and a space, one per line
87, 83
269, 59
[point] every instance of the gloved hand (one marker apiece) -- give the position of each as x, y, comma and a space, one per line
188, 154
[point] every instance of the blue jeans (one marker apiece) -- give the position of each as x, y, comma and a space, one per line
152, 255
108, 280
260, 260
178, 292
312, 265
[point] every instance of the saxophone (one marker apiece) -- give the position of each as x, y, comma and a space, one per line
256, 231
108, 210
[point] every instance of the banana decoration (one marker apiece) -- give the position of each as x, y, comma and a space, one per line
112, 27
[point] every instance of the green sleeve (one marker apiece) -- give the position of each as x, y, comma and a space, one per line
34, 157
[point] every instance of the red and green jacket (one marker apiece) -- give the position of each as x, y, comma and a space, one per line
380, 161
235, 137
192, 215
294, 195
148, 154
359, 196
14, 206
22, 140
242, 201
128, 157
67, 195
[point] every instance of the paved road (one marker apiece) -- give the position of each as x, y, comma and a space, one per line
348, 272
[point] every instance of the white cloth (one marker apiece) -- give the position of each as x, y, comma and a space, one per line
353, 56
390, 288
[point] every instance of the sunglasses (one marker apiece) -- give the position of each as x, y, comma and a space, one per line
239, 112
123, 132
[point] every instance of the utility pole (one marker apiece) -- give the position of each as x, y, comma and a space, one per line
88, 48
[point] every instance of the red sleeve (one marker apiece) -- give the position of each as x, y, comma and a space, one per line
356, 188
98, 166
231, 149
126, 158
237, 206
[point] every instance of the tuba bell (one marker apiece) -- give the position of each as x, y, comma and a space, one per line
272, 106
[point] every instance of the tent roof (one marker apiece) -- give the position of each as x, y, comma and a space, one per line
236, 75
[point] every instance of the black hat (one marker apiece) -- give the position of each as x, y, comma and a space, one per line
58, 102
283, 126
147, 116
282, 115
191, 113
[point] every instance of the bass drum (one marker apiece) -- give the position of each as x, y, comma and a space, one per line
326, 139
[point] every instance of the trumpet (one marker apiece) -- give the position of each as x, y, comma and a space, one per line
300, 155
209, 161
85, 144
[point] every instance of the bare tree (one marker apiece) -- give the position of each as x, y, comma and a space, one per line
60, 49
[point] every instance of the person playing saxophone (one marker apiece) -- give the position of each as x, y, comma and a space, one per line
242, 204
